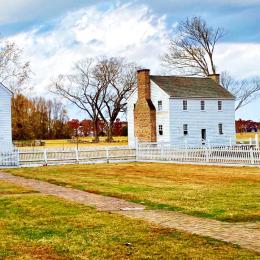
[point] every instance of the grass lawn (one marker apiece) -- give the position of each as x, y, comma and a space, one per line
222, 193
85, 142
44, 227
246, 135
9, 188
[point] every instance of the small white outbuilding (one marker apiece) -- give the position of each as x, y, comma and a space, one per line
191, 111
5, 119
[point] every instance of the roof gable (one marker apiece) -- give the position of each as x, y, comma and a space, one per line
6, 89
191, 87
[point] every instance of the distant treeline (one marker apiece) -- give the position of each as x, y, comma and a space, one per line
86, 128
40, 119
244, 126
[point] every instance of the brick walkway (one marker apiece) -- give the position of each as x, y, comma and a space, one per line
246, 235
98, 201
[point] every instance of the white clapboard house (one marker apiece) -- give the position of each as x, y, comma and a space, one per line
180, 110
5, 119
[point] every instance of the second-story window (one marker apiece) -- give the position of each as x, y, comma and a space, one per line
159, 105
202, 105
219, 105
185, 105
160, 130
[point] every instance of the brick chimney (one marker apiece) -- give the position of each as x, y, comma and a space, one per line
144, 111
143, 83
215, 77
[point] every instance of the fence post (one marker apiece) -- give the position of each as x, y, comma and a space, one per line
162, 152
136, 150
107, 154
230, 141
207, 154
77, 155
18, 157
45, 157
257, 141
186, 150
252, 159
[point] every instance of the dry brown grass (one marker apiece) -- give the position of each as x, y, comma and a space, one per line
223, 193
246, 135
42, 227
9, 188
85, 142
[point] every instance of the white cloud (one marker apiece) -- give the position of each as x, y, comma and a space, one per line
126, 30
241, 60
130, 31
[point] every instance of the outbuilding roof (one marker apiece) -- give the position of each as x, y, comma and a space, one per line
191, 87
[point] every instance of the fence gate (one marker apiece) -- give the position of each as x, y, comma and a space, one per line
10, 158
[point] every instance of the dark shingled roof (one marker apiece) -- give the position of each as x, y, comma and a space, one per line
191, 87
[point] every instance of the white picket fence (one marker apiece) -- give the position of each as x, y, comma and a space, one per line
9, 158
224, 141
219, 155
74, 156
238, 155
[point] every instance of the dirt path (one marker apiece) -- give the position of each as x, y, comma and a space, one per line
246, 235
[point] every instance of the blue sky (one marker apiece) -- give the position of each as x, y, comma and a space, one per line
55, 34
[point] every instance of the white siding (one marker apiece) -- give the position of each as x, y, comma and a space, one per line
162, 116
198, 120
5, 119
172, 118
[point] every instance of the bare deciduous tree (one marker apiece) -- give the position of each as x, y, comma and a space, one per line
79, 89
117, 82
192, 51
100, 87
14, 72
245, 91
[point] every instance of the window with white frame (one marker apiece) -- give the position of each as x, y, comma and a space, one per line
160, 129
185, 105
185, 129
219, 105
220, 128
159, 105
202, 105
